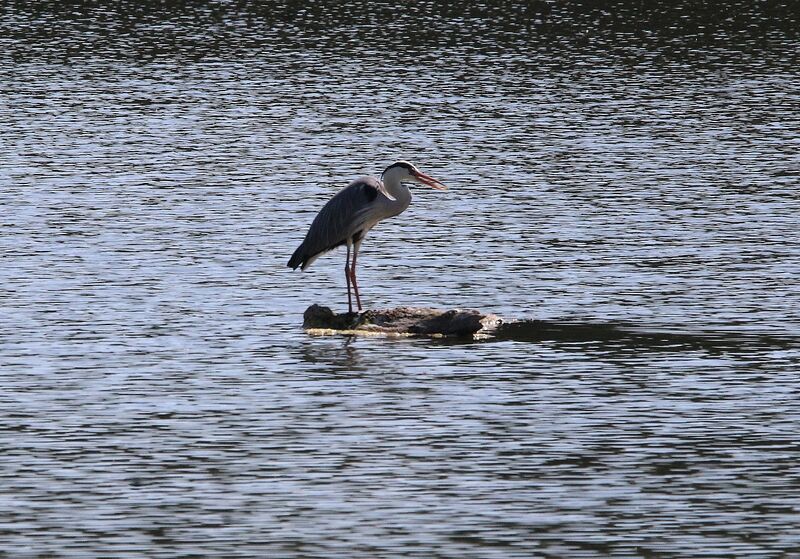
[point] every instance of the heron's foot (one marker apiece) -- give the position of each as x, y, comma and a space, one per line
351, 316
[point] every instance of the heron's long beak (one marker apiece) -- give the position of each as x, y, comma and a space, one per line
430, 181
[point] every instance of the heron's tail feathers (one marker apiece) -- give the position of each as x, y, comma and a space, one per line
302, 258
298, 258
307, 252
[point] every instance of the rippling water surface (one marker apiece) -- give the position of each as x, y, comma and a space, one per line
637, 164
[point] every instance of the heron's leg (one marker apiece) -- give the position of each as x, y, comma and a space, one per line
347, 277
356, 246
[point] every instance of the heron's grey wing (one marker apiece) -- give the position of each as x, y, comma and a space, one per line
345, 215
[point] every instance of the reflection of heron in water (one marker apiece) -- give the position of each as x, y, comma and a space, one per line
349, 215
339, 357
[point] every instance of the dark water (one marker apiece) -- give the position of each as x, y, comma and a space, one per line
635, 163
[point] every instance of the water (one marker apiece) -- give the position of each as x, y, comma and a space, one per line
636, 165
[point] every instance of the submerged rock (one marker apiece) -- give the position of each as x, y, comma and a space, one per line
401, 321
472, 324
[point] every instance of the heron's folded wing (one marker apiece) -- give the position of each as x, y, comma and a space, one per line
343, 216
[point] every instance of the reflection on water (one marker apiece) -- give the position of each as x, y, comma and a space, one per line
332, 356
628, 171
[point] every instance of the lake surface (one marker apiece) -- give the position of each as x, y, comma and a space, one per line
636, 165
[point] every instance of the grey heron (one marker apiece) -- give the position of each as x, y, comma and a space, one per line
353, 211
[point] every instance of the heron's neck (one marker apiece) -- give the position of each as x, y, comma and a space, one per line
399, 192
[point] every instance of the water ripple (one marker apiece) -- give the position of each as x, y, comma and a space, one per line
635, 165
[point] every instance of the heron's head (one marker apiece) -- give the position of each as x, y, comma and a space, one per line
403, 171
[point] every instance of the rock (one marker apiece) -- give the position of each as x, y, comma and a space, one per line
319, 317
472, 324
401, 321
